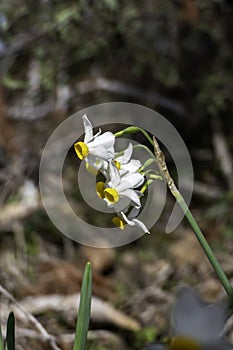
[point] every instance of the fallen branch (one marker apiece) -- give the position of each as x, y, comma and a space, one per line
101, 312
43, 333
119, 87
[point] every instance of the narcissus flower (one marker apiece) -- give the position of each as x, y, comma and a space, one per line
125, 164
95, 148
118, 187
197, 325
122, 220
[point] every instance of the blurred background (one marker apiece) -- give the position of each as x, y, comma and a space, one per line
57, 57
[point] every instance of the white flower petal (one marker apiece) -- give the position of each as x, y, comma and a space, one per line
99, 152
114, 178
95, 162
130, 181
98, 133
125, 158
133, 213
135, 163
135, 222
140, 224
88, 129
125, 218
123, 185
107, 140
135, 179
131, 167
132, 195
110, 152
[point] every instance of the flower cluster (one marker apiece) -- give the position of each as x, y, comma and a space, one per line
121, 173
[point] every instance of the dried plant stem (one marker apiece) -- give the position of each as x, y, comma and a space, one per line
180, 200
44, 334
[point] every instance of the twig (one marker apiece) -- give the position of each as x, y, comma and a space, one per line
101, 311
119, 87
46, 336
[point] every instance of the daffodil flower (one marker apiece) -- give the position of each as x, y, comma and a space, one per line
118, 187
122, 220
125, 164
197, 325
95, 148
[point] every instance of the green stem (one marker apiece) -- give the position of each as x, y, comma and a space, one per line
152, 177
204, 244
147, 184
156, 177
159, 156
146, 135
147, 163
133, 130
146, 149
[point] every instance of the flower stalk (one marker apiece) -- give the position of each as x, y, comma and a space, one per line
133, 130
196, 229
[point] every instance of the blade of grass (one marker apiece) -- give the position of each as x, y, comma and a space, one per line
84, 310
10, 332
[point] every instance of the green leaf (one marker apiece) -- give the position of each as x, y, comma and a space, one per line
1, 340
84, 310
10, 332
